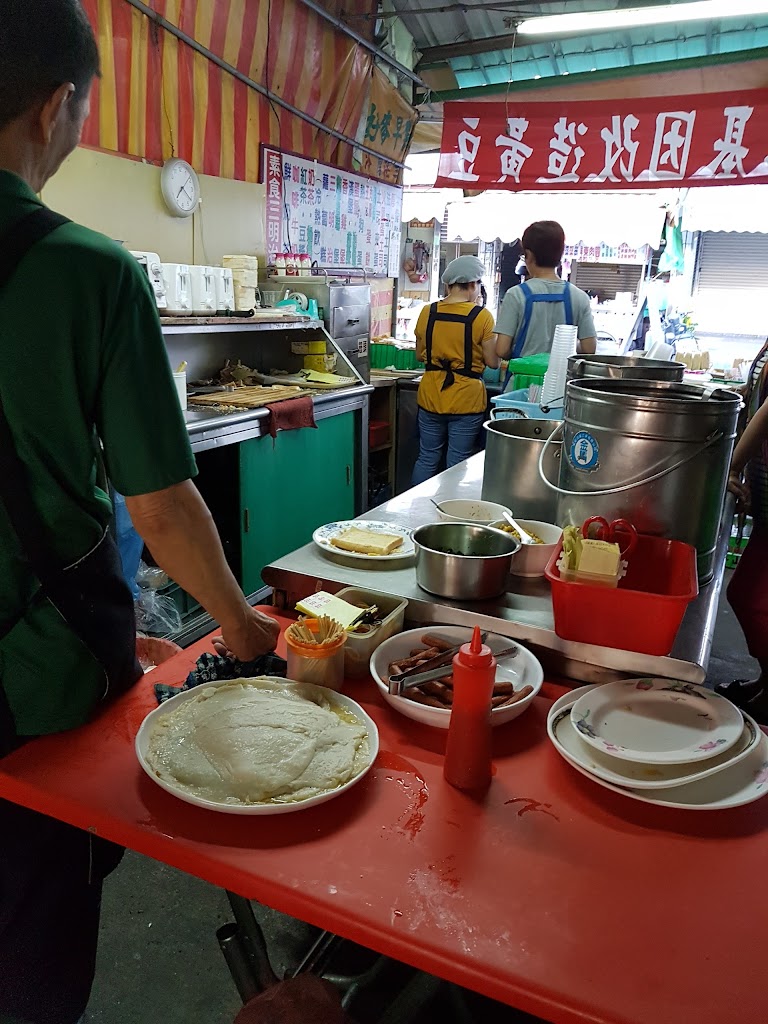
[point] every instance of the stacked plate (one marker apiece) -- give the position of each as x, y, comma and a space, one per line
662, 742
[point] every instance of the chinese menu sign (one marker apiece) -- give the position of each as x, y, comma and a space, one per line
713, 139
339, 219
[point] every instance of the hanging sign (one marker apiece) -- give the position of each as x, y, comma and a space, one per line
337, 218
678, 141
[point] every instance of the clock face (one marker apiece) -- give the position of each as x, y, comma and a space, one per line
181, 188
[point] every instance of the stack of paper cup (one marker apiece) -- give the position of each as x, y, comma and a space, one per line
563, 346
245, 280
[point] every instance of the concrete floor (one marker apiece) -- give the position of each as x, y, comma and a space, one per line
159, 959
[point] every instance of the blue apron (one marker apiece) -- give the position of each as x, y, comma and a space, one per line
530, 298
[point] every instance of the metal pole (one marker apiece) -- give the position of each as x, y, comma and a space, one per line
362, 41
253, 941
239, 965
256, 86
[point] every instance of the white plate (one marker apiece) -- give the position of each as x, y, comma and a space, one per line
657, 721
522, 670
324, 534
637, 775
480, 513
145, 731
739, 784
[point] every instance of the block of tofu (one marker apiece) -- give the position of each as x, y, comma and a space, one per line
599, 557
366, 542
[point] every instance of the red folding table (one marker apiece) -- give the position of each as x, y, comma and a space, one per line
550, 893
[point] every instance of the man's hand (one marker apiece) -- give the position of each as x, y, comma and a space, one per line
740, 489
257, 634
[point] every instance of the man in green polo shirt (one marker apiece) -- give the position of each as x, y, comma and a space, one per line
83, 368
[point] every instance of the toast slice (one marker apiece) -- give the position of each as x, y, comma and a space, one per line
366, 542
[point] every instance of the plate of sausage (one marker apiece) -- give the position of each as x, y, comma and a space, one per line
518, 678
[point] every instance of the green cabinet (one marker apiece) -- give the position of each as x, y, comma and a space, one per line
292, 485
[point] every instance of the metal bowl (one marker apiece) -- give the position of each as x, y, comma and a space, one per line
477, 571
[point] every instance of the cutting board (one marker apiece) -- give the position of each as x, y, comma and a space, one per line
249, 398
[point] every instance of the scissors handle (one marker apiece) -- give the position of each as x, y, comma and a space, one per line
603, 531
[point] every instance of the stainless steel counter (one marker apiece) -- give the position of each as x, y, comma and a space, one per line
524, 613
210, 428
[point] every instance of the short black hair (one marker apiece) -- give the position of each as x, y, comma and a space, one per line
546, 240
43, 44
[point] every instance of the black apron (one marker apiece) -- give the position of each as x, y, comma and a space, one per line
444, 365
91, 593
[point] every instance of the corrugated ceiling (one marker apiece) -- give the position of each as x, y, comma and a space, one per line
548, 60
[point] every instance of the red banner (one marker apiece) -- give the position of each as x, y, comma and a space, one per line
673, 141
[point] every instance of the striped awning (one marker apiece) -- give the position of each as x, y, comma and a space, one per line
158, 98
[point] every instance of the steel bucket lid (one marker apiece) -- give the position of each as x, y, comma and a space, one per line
623, 367
653, 408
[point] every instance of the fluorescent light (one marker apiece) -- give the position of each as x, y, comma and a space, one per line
669, 14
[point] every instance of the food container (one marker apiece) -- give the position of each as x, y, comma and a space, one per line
478, 573
360, 646
321, 664
531, 560
643, 613
378, 433
479, 513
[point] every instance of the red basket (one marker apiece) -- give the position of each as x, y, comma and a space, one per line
643, 613
378, 433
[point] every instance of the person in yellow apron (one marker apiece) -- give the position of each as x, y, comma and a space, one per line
455, 338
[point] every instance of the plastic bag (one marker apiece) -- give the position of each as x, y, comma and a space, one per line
129, 543
156, 613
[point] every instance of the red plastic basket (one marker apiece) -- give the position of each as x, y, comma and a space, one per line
378, 433
643, 613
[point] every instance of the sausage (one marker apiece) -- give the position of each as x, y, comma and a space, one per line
424, 698
503, 688
416, 659
435, 641
517, 696
436, 689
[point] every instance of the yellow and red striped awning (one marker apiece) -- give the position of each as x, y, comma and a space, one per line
158, 98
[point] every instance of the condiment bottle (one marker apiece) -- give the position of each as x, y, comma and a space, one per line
280, 263
468, 751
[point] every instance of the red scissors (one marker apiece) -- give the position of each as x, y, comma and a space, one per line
612, 532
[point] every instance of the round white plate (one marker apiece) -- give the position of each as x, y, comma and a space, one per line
651, 776
738, 784
149, 723
657, 721
324, 534
522, 670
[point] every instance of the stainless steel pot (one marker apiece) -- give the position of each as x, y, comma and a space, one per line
656, 454
633, 367
511, 474
479, 572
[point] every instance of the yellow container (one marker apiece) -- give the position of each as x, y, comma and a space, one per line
308, 348
323, 364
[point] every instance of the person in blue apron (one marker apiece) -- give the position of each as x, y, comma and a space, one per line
530, 312
455, 338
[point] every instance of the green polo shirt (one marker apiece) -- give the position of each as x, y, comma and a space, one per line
82, 358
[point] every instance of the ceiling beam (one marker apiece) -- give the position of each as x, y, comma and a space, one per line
432, 55
602, 75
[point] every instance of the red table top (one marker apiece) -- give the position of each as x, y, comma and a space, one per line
550, 893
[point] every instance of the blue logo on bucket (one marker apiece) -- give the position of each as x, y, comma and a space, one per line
585, 451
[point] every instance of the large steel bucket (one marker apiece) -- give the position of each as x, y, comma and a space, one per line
656, 454
624, 367
511, 475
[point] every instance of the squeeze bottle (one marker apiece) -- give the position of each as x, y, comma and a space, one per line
468, 749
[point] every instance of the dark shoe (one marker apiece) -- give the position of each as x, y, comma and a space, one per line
748, 695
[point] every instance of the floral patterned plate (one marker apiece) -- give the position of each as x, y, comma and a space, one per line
648, 776
739, 784
325, 534
657, 721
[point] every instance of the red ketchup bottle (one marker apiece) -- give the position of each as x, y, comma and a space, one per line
468, 750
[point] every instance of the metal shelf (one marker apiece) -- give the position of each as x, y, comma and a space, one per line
245, 325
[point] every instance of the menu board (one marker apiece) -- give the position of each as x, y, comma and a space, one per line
338, 218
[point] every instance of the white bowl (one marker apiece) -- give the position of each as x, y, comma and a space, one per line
531, 560
522, 670
481, 513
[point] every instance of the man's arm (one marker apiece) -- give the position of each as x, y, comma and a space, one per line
587, 346
178, 529
503, 345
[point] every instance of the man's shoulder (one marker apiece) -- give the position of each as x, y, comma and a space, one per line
90, 252
580, 298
